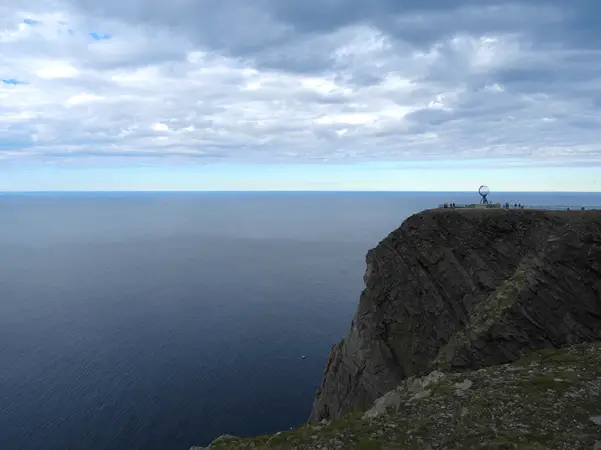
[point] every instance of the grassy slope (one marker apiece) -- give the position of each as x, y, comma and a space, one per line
548, 400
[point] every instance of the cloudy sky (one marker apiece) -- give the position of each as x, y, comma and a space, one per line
312, 94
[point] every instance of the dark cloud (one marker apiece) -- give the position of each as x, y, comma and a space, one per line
255, 29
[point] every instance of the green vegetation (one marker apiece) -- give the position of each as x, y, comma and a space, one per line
545, 382
368, 444
542, 401
487, 313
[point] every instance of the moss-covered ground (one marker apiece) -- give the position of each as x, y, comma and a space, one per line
550, 399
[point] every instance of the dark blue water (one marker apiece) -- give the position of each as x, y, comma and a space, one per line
162, 320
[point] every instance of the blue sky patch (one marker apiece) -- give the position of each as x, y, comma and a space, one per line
31, 21
100, 37
12, 81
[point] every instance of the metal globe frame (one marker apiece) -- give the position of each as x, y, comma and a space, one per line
484, 191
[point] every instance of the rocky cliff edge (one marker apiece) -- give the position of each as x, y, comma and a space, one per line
458, 289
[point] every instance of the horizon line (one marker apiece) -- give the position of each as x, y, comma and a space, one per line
258, 191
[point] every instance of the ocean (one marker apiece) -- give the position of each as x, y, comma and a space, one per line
162, 320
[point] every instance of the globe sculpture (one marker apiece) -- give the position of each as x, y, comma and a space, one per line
484, 191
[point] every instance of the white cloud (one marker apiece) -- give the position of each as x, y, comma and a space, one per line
462, 83
56, 69
83, 98
160, 127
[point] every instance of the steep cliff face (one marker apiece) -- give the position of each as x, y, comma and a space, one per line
461, 289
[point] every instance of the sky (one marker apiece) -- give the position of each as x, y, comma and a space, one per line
312, 95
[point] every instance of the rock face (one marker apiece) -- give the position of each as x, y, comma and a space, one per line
460, 289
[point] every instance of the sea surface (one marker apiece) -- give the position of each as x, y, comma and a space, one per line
162, 320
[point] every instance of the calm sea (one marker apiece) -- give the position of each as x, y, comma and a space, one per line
162, 320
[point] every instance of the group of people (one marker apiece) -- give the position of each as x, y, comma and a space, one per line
506, 205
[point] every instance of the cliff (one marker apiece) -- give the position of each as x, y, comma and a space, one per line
458, 289
476, 329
